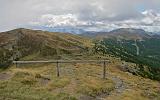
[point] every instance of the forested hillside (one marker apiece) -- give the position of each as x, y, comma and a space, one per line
144, 53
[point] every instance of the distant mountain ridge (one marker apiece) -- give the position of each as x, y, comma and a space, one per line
131, 45
72, 30
122, 33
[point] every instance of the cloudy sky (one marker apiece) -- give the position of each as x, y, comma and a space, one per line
93, 15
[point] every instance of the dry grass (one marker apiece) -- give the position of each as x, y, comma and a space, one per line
34, 82
75, 80
137, 88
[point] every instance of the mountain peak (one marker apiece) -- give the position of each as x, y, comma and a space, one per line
129, 30
122, 33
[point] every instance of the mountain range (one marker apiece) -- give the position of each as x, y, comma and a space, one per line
131, 45
122, 33
132, 73
28, 40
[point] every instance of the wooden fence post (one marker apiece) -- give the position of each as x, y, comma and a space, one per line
57, 69
16, 64
104, 69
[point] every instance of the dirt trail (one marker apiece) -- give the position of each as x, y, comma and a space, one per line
120, 86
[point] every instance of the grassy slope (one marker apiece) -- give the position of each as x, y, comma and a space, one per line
32, 83
137, 88
77, 81
40, 44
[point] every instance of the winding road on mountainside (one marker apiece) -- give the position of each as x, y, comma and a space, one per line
137, 48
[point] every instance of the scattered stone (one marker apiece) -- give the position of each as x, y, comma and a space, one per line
44, 81
4, 76
130, 74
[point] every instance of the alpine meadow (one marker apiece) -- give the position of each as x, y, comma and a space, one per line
79, 50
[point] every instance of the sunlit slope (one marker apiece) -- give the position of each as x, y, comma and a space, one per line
19, 43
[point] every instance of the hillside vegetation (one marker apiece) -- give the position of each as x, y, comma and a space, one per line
19, 43
76, 82
133, 64
142, 51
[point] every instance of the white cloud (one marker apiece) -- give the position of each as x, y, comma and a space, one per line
149, 22
50, 20
96, 14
